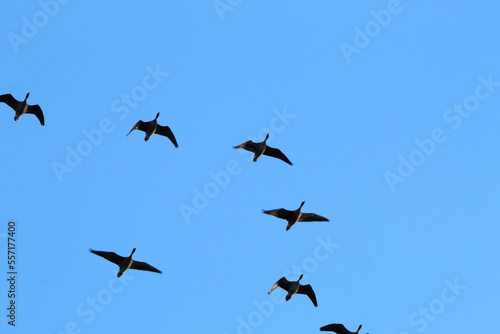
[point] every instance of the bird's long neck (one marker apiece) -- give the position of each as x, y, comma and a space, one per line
265, 140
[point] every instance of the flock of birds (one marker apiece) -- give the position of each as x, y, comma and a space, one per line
259, 149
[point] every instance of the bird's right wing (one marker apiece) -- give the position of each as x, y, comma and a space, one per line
110, 256
9, 100
280, 213
337, 328
248, 145
139, 126
282, 283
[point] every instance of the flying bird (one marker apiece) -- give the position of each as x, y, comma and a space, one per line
338, 328
22, 107
153, 127
261, 148
295, 216
295, 287
125, 262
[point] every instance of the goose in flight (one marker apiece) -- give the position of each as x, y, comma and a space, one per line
125, 262
295, 287
153, 127
22, 107
261, 148
338, 328
295, 216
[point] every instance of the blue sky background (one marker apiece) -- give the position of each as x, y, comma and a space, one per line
417, 254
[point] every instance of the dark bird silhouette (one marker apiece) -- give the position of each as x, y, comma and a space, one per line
125, 262
295, 216
153, 127
338, 328
295, 287
261, 148
22, 107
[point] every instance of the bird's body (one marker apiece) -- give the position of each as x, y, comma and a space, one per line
125, 263
295, 287
152, 127
261, 148
294, 216
22, 107
339, 329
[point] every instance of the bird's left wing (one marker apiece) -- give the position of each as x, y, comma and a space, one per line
165, 131
307, 290
37, 111
144, 266
274, 152
312, 217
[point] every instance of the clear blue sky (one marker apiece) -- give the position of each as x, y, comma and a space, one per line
389, 111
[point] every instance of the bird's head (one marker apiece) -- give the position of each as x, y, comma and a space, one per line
27, 95
302, 204
157, 115
300, 277
133, 251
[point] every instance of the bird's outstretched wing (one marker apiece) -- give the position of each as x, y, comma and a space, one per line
110, 256
337, 328
248, 145
37, 111
144, 266
9, 100
282, 283
165, 131
307, 290
280, 213
275, 153
139, 126
312, 217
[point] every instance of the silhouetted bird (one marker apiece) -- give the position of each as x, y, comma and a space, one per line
295, 216
262, 148
295, 287
125, 262
338, 328
153, 127
22, 107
